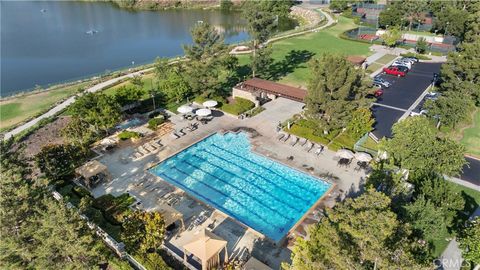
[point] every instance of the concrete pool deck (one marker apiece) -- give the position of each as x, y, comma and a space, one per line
132, 177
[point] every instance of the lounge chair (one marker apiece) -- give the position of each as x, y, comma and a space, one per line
174, 135
181, 133
287, 136
309, 146
302, 141
150, 147
157, 143
137, 154
280, 136
294, 141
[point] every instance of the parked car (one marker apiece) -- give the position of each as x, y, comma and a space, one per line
411, 60
402, 63
432, 95
381, 81
399, 71
378, 93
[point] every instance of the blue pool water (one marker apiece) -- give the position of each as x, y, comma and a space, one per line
263, 194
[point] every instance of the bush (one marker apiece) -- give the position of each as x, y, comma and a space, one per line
240, 106
152, 261
81, 192
155, 122
125, 135
307, 133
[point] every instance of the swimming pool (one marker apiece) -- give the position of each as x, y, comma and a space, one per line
222, 171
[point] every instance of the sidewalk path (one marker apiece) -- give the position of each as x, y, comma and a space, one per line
60, 107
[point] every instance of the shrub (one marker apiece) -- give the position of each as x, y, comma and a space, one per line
419, 56
240, 106
155, 122
152, 261
125, 135
81, 192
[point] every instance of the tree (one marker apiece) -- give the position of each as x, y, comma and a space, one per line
207, 42
208, 68
98, 110
361, 233
335, 91
38, 232
391, 16
58, 161
338, 5
421, 45
78, 133
137, 81
125, 95
443, 195
361, 123
62, 238
460, 74
416, 147
469, 241
261, 64
391, 36
175, 86
414, 10
426, 218
450, 108
451, 20
143, 231
226, 4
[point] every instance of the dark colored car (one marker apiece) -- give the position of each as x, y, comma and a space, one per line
399, 71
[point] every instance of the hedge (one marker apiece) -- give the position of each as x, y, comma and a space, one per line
125, 135
155, 122
240, 106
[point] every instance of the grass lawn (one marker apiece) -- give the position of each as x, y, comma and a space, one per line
471, 136
147, 79
386, 59
16, 110
373, 67
291, 55
472, 201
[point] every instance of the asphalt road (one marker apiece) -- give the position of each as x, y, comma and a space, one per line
401, 95
471, 171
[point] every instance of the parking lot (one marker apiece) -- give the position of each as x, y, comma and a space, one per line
400, 96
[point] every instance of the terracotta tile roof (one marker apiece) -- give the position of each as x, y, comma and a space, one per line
282, 90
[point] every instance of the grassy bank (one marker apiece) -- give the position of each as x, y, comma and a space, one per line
292, 54
471, 136
18, 109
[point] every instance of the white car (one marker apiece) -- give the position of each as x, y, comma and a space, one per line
402, 63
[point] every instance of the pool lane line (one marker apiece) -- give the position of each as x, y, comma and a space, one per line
220, 192
258, 187
269, 170
259, 176
235, 188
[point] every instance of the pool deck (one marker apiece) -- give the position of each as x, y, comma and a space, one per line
132, 176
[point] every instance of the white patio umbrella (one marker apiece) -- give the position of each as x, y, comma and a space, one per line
345, 153
210, 103
363, 157
382, 155
203, 112
184, 109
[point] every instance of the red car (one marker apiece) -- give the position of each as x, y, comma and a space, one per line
396, 71
378, 93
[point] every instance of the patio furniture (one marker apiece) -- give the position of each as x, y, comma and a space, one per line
294, 141
302, 141
319, 150
363, 157
287, 136
280, 135
181, 133
309, 147
345, 153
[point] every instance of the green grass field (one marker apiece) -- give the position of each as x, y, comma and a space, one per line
18, 109
471, 136
147, 79
292, 54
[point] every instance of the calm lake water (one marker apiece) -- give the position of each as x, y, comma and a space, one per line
47, 42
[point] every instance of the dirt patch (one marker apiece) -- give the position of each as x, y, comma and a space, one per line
49, 134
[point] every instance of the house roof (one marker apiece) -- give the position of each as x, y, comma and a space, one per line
282, 90
356, 60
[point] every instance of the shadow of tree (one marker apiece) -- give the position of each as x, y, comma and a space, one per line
292, 61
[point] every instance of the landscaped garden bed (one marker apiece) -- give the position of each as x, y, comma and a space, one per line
239, 106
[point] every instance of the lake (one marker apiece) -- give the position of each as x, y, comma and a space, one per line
45, 42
